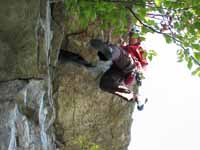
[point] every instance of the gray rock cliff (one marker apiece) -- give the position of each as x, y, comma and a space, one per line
29, 42
46, 104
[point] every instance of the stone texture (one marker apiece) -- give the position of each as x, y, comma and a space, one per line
80, 46
86, 116
23, 44
31, 32
24, 116
18, 24
29, 47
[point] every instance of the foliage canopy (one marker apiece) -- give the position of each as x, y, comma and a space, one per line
177, 20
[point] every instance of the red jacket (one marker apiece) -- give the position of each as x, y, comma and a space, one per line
136, 53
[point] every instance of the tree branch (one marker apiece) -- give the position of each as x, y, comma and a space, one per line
178, 42
149, 4
145, 25
187, 51
159, 15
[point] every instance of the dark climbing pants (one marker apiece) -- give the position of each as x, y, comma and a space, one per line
111, 79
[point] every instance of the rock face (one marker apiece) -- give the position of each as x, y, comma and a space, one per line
28, 54
87, 117
46, 104
24, 116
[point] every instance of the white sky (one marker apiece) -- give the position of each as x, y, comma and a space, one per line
170, 120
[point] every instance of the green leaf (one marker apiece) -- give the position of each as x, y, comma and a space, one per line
167, 39
158, 2
153, 52
179, 52
151, 22
196, 46
142, 38
177, 25
186, 44
180, 60
189, 64
142, 12
150, 54
196, 71
186, 57
180, 55
197, 56
84, 22
95, 147
150, 57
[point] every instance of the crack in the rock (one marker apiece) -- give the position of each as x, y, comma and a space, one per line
67, 56
23, 79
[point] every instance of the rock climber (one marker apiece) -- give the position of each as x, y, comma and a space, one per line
126, 61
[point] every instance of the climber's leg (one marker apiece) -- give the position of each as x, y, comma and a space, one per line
112, 82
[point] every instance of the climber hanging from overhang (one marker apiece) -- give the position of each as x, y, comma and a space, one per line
127, 61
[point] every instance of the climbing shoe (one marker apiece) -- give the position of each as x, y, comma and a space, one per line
141, 102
